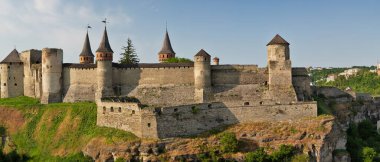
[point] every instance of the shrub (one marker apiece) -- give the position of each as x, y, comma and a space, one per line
258, 155
228, 142
284, 153
368, 154
300, 158
120, 160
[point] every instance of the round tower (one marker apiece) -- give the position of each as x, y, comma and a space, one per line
52, 59
86, 56
202, 76
11, 74
216, 60
280, 71
104, 56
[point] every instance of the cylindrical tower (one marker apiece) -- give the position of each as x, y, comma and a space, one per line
51, 75
104, 56
280, 71
202, 76
11, 74
216, 60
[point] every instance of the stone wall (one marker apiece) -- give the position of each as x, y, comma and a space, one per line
12, 83
79, 84
301, 83
185, 120
30, 57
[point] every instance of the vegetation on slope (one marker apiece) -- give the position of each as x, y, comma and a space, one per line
57, 132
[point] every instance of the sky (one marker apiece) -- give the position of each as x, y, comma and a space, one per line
338, 33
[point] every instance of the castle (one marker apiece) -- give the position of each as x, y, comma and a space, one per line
160, 100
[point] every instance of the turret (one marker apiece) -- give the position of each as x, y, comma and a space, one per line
51, 75
86, 56
280, 71
166, 50
202, 76
216, 60
104, 56
11, 76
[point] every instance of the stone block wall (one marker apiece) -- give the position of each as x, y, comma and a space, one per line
79, 84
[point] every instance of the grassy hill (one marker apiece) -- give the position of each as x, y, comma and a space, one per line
54, 132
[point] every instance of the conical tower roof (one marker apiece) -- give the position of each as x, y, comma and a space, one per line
104, 44
86, 51
166, 46
12, 57
203, 53
278, 40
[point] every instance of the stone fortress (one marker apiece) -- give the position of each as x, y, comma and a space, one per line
161, 100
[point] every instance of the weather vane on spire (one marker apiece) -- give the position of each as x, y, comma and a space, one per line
166, 23
105, 21
88, 27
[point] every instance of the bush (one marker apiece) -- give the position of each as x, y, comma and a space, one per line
368, 154
284, 153
258, 155
228, 142
300, 158
120, 160
178, 60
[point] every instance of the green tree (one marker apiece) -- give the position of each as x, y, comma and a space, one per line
177, 60
368, 154
228, 142
129, 55
258, 155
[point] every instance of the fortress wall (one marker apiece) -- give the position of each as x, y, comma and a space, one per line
301, 83
79, 84
194, 119
156, 86
124, 116
238, 82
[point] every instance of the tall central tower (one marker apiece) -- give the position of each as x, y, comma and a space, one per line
280, 71
166, 50
86, 56
104, 56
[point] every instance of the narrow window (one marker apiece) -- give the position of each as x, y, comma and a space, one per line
148, 124
104, 109
133, 111
111, 109
246, 103
5, 84
119, 109
15, 84
175, 110
261, 102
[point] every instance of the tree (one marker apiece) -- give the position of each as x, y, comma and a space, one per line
228, 142
129, 55
368, 154
177, 60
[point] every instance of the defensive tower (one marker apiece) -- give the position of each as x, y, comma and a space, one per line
11, 74
280, 71
86, 56
166, 50
104, 56
51, 75
202, 75
31, 76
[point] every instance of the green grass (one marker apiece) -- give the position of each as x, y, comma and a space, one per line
59, 129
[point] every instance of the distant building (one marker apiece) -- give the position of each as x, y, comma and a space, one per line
331, 77
378, 69
349, 72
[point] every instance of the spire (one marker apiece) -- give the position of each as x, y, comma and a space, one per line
166, 46
86, 51
278, 40
104, 44
203, 53
12, 57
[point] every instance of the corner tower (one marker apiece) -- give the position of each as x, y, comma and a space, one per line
104, 56
202, 76
280, 71
51, 75
11, 76
166, 50
86, 56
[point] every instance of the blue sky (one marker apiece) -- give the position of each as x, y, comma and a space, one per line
321, 33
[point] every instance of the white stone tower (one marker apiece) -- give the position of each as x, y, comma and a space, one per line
51, 75
11, 74
202, 76
280, 71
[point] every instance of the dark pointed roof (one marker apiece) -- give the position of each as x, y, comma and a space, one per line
203, 53
166, 46
86, 51
278, 40
12, 57
104, 44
